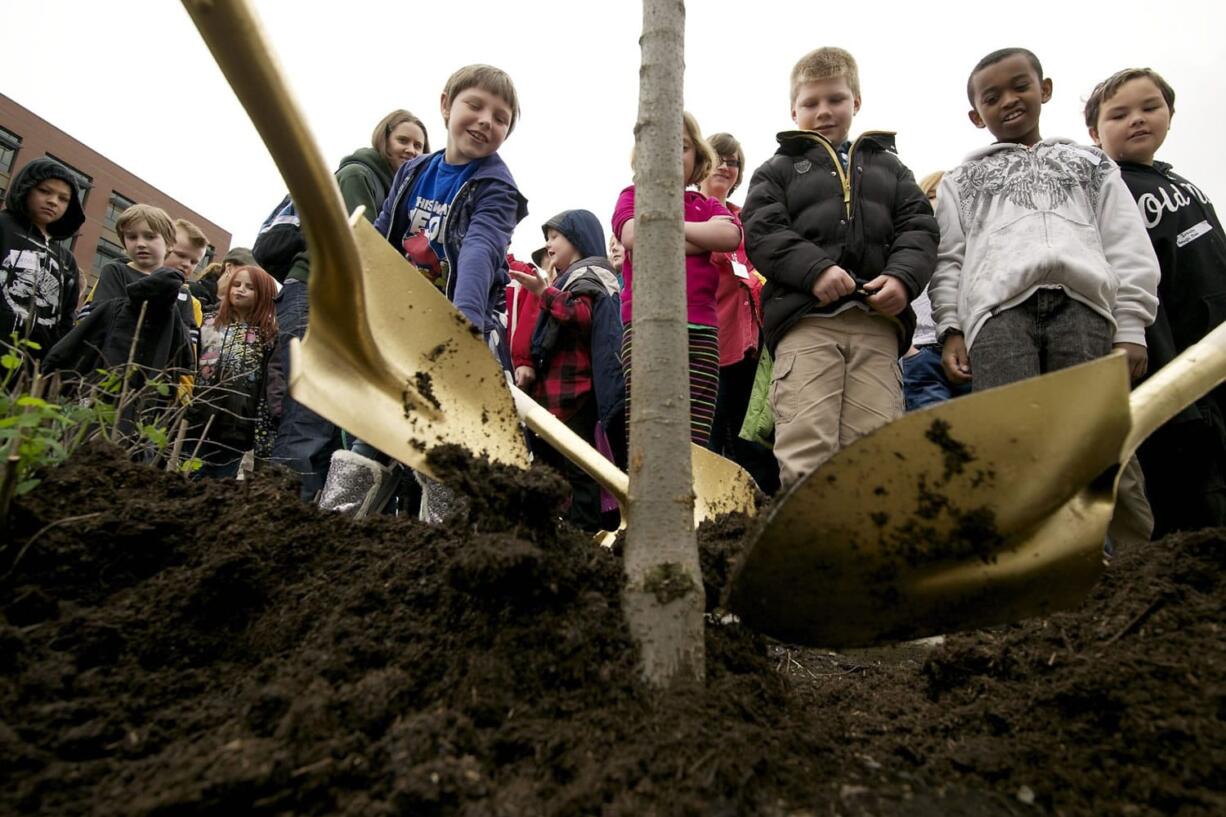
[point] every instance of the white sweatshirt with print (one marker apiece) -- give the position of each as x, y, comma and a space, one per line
1015, 219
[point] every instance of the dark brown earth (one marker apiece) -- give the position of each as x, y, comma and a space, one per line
176, 648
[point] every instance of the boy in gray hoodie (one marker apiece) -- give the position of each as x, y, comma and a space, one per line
1044, 261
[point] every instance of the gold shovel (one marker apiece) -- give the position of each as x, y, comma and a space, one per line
386, 355
981, 511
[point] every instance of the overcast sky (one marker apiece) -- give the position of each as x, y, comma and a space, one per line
132, 79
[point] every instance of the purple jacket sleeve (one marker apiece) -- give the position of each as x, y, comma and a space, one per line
484, 248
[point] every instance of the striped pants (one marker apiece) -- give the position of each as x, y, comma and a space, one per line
704, 378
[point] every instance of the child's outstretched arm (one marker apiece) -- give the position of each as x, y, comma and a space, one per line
484, 250
947, 280
565, 307
1128, 250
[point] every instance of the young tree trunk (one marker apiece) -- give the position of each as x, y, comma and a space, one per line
663, 599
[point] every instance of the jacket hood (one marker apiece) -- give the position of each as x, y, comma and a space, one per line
999, 147
581, 228
795, 142
372, 159
595, 271
160, 287
25, 181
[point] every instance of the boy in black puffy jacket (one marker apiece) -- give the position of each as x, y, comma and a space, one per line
845, 239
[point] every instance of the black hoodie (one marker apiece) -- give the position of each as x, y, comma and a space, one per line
1191, 248
34, 270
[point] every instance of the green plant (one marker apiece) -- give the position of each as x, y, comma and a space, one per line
43, 419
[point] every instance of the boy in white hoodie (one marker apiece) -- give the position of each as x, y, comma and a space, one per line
1044, 261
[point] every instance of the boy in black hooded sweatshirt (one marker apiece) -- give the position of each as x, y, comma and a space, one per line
578, 375
39, 279
1128, 115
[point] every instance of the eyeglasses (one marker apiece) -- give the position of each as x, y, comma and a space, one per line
731, 161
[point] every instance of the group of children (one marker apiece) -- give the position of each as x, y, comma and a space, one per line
140, 321
835, 299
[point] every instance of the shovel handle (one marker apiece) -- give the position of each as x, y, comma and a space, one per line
572, 446
234, 37
1178, 384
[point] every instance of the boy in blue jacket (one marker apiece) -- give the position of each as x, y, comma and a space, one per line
451, 213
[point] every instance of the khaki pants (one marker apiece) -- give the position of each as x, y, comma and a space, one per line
835, 380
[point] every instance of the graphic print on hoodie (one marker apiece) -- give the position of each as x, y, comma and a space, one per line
39, 279
1014, 220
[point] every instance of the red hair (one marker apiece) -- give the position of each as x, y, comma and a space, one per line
263, 312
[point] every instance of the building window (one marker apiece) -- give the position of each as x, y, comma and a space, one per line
84, 183
106, 253
114, 208
9, 143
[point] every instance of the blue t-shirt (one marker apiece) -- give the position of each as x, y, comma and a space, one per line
427, 205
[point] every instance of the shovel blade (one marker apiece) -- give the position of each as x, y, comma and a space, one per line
436, 381
720, 486
967, 514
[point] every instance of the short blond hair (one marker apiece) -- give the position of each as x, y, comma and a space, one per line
195, 236
929, 183
489, 79
157, 219
827, 62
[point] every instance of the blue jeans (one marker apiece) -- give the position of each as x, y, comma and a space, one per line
1047, 332
225, 469
924, 382
305, 441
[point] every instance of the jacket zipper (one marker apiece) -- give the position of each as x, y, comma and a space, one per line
845, 175
400, 194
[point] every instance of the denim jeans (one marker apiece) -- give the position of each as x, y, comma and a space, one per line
1046, 332
924, 382
222, 469
305, 441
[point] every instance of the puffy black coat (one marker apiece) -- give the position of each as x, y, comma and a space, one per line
804, 214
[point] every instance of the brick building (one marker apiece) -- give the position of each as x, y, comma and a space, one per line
107, 189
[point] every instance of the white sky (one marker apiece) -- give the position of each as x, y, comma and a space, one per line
132, 79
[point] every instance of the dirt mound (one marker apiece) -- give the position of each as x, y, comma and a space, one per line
173, 648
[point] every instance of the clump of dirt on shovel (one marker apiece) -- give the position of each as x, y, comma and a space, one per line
172, 647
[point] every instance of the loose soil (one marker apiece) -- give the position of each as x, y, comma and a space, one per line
178, 648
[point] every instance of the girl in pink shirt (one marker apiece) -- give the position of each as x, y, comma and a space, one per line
709, 228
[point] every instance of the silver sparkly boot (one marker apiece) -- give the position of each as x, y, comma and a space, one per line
356, 485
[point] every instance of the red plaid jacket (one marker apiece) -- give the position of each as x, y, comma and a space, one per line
564, 387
